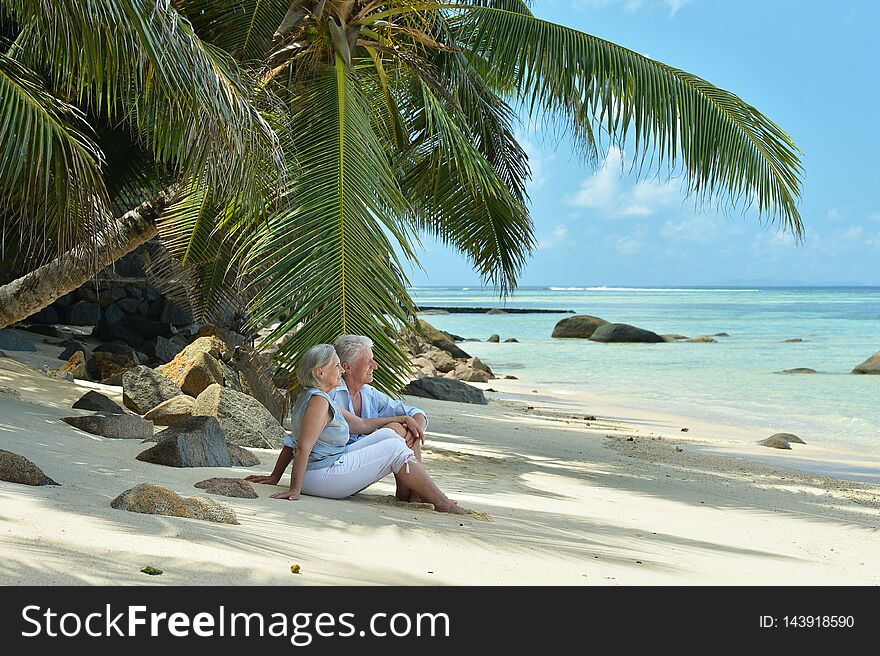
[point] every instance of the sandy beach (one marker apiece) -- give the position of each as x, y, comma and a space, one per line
621, 499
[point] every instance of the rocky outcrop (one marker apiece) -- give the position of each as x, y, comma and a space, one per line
442, 361
171, 411
581, 326
511, 340
228, 487
143, 389
622, 332
18, 469
116, 426
96, 401
494, 338
151, 499
444, 389
781, 441
869, 366
245, 420
439, 339
12, 341
799, 370
196, 442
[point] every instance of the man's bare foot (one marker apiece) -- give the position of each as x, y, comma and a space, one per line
257, 478
415, 498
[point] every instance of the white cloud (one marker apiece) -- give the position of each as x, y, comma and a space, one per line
874, 216
555, 239
700, 229
852, 233
835, 214
630, 243
538, 161
614, 198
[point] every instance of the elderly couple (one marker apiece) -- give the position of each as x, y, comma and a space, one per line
349, 434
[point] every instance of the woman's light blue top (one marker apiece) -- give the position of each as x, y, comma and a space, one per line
332, 440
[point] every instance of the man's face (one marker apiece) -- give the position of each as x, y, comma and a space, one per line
360, 371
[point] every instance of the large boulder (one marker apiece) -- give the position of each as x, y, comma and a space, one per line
245, 420
464, 372
162, 349
444, 389
171, 411
442, 361
108, 332
143, 389
96, 401
18, 469
193, 375
622, 332
196, 442
781, 441
869, 366
117, 426
581, 326
476, 363
257, 382
76, 366
109, 364
83, 313
494, 338
12, 341
439, 339
228, 487
48, 315
151, 499
146, 327
423, 367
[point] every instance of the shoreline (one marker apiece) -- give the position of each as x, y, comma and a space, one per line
560, 502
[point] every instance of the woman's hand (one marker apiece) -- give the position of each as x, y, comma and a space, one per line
290, 495
268, 480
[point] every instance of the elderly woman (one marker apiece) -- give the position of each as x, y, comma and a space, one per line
324, 464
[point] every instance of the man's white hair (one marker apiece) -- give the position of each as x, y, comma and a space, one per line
317, 357
350, 347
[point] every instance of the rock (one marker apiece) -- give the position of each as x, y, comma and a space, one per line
143, 389
228, 487
256, 380
75, 366
439, 339
96, 401
720, 335
509, 377
83, 313
12, 341
423, 367
10, 391
147, 328
702, 339
151, 499
196, 442
18, 469
622, 332
476, 363
72, 346
673, 337
464, 372
193, 374
109, 364
245, 420
495, 311
171, 411
48, 316
511, 340
113, 425
162, 349
128, 305
65, 301
445, 389
580, 326
494, 339
441, 360
118, 348
115, 379
109, 332
799, 370
793, 340
781, 441
227, 337
46, 331
172, 313
869, 366
113, 314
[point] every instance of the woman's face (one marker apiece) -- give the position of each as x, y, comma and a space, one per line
330, 374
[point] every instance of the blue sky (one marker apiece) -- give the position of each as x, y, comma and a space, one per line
809, 65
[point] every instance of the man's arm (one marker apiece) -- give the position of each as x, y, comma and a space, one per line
385, 406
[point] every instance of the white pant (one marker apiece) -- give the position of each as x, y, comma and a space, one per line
368, 460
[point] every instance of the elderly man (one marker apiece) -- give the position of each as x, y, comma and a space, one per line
356, 395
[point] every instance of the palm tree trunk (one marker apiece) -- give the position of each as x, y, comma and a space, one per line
32, 292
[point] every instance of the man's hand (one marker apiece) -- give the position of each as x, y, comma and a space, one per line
414, 432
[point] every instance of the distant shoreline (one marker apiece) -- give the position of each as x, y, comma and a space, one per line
484, 310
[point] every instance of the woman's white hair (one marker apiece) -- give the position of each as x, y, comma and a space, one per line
350, 347
316, 357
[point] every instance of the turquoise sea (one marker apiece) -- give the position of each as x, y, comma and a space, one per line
735, 381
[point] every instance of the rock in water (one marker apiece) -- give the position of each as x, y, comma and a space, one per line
151, 499
869, 366
580, 326
494, 338
781, 441
143, 389
116, 426
799, 370
622, 332
245, 421
96, 401
228, 487
445, 389
18, 469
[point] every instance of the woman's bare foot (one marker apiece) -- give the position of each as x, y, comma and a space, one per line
451, 508
415, 498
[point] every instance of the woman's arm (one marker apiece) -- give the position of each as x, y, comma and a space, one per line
316, 417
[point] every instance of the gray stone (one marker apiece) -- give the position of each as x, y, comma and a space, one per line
46, 331
71, 346
495, 311
65, 301
110, 332
149, 329
622, 332
794, 340
476, 363
48, 315
93, 400
511, 340
463, 372
245, 420
228, 487
494, 339
799, 370
116, 426
113, 313
702, 339
151, 499
580, 326
196, 442
444, 389
128, 305
12, 341
18, 469
84, 313
256, 380
441, 360
869, 366
162, 349
10, 391
673, 337
781, 441
172, 313
720, 335
143, 389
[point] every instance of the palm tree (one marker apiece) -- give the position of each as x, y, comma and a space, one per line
397, 118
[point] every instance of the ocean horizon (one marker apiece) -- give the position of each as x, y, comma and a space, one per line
736, 381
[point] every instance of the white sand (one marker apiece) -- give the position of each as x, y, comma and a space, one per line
570, 504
